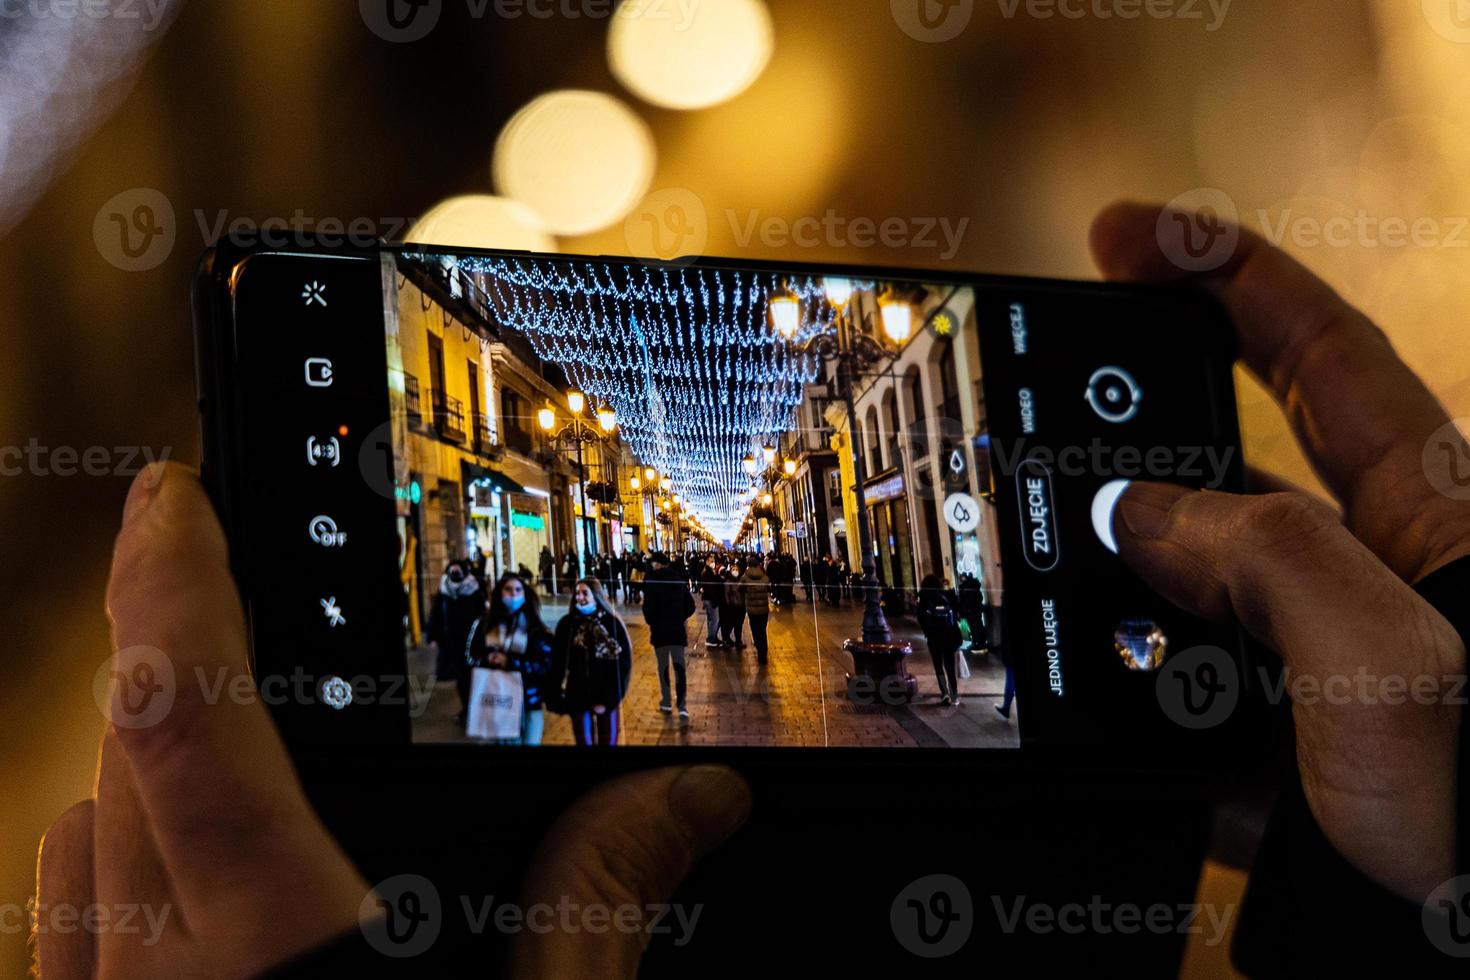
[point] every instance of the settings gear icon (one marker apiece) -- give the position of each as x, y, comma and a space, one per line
336, 693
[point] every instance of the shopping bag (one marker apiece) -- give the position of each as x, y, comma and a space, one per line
497, 699
962, 664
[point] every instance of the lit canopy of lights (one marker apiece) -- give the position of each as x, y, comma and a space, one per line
690, 359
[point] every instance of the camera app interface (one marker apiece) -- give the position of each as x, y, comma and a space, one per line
692, 506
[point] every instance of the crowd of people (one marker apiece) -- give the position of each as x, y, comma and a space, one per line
581, 668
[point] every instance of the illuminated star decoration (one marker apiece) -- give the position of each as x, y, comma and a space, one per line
687, 357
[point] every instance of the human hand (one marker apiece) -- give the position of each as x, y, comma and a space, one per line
200, 817
199, 813
1330, 592
498, 660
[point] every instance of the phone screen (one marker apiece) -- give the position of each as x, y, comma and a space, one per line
512, 500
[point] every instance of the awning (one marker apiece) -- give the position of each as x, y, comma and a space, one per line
485, 476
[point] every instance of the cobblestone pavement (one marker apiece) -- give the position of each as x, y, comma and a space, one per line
799, 699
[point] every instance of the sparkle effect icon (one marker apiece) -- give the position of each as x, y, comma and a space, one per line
315, 292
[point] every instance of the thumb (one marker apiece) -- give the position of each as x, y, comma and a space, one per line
1354, 638
621, 848
237, 839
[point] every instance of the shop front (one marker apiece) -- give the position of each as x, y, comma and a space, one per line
893, 538
488, 529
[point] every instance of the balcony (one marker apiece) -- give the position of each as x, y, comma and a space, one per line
485, 443
413, 404
448, 417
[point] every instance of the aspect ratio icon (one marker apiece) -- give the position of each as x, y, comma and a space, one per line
323, 531
1114, 395
323, 452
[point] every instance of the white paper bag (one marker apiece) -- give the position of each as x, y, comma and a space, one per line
497, 699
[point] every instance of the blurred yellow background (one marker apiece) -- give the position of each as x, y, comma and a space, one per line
1025, 126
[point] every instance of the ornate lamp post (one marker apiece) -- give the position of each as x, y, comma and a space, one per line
853, 352
580, 429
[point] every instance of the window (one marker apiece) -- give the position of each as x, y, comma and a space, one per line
949, 385
890, 411
515, 421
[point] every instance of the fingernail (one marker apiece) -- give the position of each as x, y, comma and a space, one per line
144, 489
712, 801
1146, 507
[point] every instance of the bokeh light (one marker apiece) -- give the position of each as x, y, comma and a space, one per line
580, 160
482, 221
690, 58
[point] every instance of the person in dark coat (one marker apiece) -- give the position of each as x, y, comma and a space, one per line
591, 661
513, 637
547, 568
667, 606
712, 592
755, 594
732, 607
461, 601
939, 618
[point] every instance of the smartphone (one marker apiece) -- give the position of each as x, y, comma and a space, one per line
392, 435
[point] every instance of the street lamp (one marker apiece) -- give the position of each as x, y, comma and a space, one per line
785, 309
789, 468
580, 430
853, 352
750, 465
898, 317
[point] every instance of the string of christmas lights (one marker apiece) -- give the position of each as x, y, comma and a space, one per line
688, 358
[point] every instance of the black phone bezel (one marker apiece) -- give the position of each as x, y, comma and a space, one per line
220, 385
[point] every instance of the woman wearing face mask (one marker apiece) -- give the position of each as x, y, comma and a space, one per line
591, 660
512, 637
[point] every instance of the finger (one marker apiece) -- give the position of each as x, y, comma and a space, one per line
63, 884
129, 871
1261, 481
232, 826
1362, 416
624, 846
1286, 569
